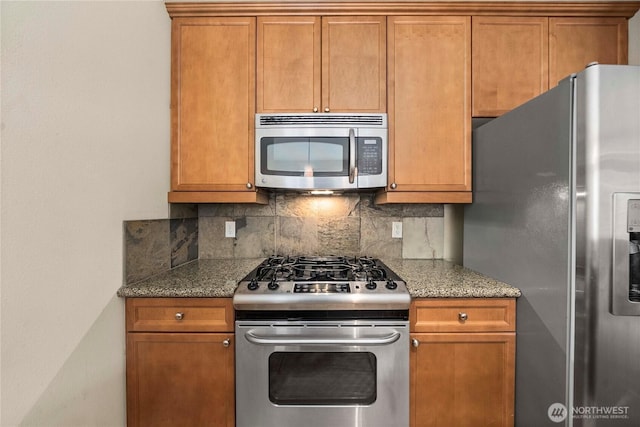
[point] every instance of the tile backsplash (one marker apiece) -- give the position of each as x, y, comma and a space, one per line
155, 246
291, 224
297, 224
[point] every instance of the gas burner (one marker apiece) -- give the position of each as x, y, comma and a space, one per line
321, 283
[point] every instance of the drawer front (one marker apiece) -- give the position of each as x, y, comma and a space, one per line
463, 315
180, 315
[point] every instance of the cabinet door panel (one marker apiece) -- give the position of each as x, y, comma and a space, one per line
288, 64
463, 380
354, 64
576, 42
180, 380
429, 65
510, 62
213, 97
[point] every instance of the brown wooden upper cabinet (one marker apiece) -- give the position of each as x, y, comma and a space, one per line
576, 42
510, 62
517, 58
429, 66
321, 64
212, 109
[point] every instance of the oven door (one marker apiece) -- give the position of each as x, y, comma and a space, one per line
319, 374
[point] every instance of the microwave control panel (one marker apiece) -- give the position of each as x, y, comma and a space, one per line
369, 156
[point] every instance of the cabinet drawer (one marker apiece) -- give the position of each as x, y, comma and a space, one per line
463, 315
180, 314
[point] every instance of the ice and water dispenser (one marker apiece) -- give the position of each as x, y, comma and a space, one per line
626, 254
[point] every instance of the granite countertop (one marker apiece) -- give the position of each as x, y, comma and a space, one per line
218, 278
443, 279
215, 278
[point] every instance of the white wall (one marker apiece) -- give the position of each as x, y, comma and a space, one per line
85, 145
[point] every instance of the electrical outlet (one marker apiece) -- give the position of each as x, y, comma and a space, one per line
396, 230
229, 229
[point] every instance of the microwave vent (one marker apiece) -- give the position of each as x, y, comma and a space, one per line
358, 120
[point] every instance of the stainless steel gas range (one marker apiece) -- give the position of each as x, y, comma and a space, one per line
322, 341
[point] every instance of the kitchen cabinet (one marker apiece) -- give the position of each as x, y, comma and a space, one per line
462, 362
517, 58
429, 86
212, 110
413, 61
510, 62
576, 42
180, 362
327, 64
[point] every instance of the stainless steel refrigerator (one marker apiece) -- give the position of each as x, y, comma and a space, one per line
556, 213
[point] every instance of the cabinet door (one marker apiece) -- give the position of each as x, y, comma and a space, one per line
576, 42
212, 102
180, 379
288, 64
429, 89
462, 380
354, 64
510, 62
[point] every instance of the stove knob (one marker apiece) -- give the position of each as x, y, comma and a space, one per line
253, 285
391, 285
273, 286
371, 285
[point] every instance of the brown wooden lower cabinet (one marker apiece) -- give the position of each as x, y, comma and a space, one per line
178, 374
461, 376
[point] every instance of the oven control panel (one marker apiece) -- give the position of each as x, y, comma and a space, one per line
321, 288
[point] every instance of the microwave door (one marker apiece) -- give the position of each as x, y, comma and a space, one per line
306, 159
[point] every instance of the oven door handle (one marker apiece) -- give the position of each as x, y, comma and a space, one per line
280, 340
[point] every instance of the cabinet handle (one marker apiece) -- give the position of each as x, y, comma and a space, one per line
315, 109
249, 185
179, 315
462, 316
415, 343
393, 186
226, 343
326, 109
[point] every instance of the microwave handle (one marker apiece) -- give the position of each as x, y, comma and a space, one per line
353, 169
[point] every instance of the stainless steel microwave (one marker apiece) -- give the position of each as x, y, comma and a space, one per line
314, 151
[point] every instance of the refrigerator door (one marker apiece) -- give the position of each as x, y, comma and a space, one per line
518, 230
607, 350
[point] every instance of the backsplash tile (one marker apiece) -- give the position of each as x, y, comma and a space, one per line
349, 224
154, 246
423, 238
146, 251
291, 224
183, 240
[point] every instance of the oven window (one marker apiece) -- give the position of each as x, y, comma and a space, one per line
317, 378
305, 156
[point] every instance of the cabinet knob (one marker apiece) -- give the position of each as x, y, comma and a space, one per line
326, 109
179, 315
393, 186
226, 343
462, 316
249, 185
315, 109
415, 343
